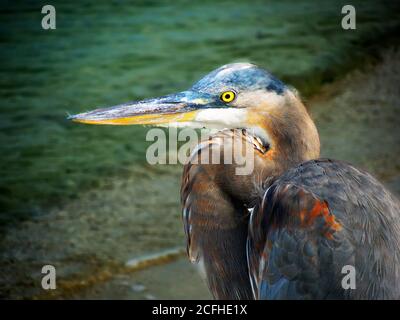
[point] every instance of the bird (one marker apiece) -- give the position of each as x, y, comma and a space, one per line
297, 226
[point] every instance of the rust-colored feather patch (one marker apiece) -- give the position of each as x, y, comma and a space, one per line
320, 210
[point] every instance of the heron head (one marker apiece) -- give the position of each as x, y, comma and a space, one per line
237, 95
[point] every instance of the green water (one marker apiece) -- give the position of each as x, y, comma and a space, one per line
104, 53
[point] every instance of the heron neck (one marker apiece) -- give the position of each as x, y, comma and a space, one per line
225, 262
293, 136
216, 228
296, 133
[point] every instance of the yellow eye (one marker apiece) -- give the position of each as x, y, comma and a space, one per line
228, 96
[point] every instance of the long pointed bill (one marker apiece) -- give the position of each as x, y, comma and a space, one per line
179, 107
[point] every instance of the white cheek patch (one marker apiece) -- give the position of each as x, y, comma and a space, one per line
268, 99
275, 99
222, 118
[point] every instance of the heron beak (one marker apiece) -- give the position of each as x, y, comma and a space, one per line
179, 107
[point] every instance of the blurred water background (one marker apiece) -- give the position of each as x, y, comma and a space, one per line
83, 197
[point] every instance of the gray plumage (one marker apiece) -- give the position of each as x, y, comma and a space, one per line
296, 261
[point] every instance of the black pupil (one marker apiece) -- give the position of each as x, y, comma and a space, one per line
227, 96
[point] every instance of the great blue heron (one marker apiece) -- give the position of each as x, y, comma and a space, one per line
289, 229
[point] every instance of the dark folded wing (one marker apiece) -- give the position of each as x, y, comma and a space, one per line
317, 221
